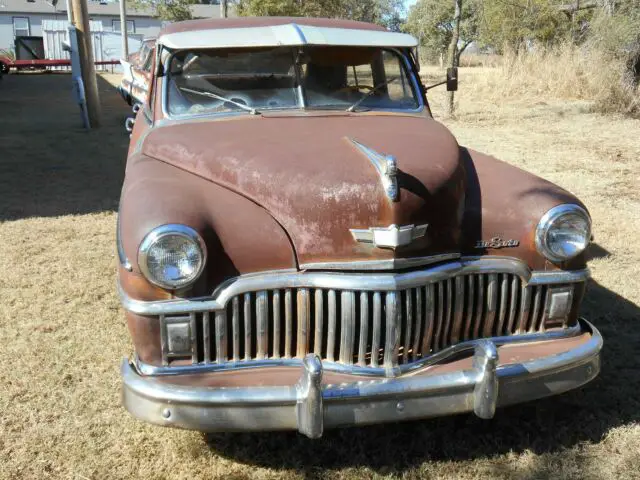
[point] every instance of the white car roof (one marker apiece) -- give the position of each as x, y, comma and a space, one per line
290, 34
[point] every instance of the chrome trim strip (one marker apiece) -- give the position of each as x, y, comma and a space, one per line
124, 261
310, 406
333, 366
388, 264
346, 281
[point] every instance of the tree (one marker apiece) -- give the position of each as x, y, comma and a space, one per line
515, 23
172, 10
432, 21
384, 12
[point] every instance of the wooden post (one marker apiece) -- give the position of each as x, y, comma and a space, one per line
224, 8
123, 29
453, 51
87, 67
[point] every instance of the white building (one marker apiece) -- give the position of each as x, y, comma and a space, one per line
24, 18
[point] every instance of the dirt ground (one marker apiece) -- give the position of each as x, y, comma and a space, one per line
62, 333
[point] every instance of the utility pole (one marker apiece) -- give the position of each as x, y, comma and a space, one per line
224, 8
87, 67
124, 30
453, 50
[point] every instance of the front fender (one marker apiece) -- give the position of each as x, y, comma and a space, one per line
241, 237
507, 202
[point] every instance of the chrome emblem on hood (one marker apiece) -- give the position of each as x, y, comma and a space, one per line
390, 237
387, 168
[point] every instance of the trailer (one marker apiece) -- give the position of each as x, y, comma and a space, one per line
8, 64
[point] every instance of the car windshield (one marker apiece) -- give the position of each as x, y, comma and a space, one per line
255, 80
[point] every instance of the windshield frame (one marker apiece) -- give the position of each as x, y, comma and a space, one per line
300, 93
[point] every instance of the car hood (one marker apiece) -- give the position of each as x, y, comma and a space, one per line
310, 175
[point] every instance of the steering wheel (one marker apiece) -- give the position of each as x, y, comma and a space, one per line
354, 88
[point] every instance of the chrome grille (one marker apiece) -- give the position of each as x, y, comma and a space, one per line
366, 328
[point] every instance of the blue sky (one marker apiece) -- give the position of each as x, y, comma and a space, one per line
408, 3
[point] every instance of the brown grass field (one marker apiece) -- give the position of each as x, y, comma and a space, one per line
62, 333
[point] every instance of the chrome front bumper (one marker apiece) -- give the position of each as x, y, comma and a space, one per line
310, 406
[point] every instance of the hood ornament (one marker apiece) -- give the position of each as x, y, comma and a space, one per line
387, 168
390, 237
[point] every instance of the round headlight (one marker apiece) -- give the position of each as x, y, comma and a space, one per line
563, 232
172, 256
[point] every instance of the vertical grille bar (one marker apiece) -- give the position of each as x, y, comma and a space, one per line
492, 300
513, 303
470, 299
409, 323
235, 325
377, 321
331, 329
288, 323
446, 335
417, 335
537, 300
304, 312
206, 333
262, 328
247, 326
221, 336
440, 316
504, 298
319, 318
277, 320
392, 340
545, 301
456, 332
429, 318
479, 307
194, 338
348, 311
524, 309
364, 328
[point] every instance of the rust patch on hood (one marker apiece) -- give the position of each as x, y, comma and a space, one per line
313, 180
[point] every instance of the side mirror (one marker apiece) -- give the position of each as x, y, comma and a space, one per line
452, 79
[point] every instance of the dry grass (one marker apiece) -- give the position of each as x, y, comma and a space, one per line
565, 72
62, 333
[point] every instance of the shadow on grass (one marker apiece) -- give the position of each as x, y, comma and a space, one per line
549, 425
50, 165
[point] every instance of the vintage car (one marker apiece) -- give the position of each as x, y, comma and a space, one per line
136, 73
302, 246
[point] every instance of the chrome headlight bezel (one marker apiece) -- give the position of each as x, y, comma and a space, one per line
171, 230
549, 220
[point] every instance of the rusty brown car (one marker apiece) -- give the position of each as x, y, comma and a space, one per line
302, 246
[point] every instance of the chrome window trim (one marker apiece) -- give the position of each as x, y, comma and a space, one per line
411, 76
164, 230
347, 281
453, 350
547, 221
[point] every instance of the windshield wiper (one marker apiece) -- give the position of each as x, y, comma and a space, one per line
353, 107
251, 110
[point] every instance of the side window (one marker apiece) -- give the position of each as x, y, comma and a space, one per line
360, 76
400, 88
